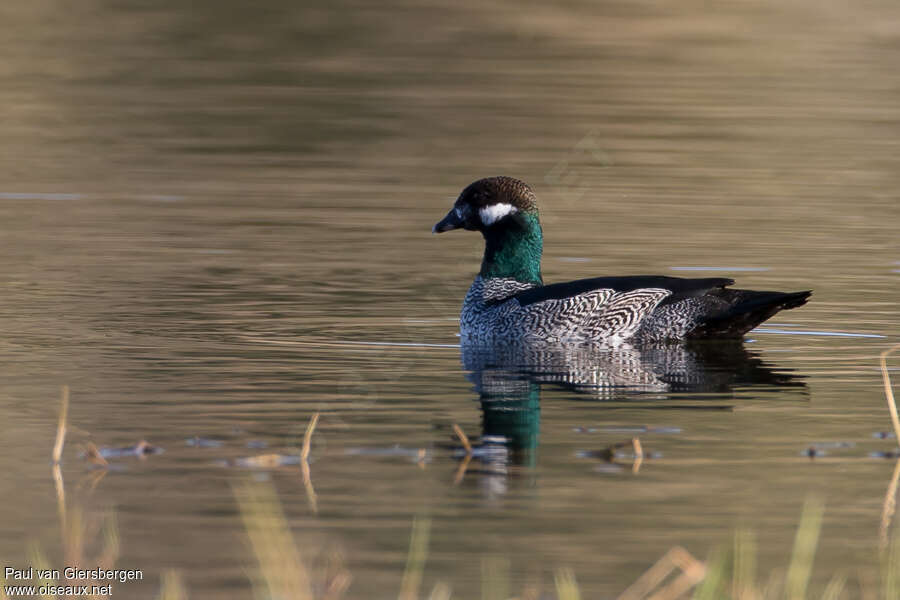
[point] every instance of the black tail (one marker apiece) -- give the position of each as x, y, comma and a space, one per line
745, 310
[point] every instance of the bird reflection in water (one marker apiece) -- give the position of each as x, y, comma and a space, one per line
508, 382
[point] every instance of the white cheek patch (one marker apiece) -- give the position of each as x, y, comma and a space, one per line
493, 213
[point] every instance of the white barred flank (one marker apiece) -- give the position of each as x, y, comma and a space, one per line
491, 314
494, 212
622, 316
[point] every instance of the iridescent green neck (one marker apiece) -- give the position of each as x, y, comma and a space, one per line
513, 249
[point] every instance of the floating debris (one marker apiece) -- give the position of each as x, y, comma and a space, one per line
584, 429
608, 467
483, 451
100, 456
267, 461
834, 445
888, 454
605, 454
817, 450
415, 454
813, 452
609, 454
142, 448
884, 435
199, 442
642, 430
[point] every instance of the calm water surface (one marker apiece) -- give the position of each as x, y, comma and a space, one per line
216, 222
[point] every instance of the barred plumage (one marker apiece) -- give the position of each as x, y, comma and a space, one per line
491, 313
508, 301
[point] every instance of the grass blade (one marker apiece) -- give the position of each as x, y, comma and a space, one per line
805, 543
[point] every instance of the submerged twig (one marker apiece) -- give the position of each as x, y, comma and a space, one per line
61, 427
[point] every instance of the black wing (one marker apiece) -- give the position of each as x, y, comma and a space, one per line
681, 288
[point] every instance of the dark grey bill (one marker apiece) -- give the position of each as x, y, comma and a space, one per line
451, 221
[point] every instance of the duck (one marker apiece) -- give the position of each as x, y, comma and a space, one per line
508, 302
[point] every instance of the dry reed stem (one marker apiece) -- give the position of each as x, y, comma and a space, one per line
461, 471
638, 455
676, 589
90, 481
463, 438
92, 453
61, 427
888, 508
890, 498
638, 449
307, 437
304, 464
888, 391
693, 571
60, 495
308, 486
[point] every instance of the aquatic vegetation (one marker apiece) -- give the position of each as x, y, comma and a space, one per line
729, 573
172, 587
284, 572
